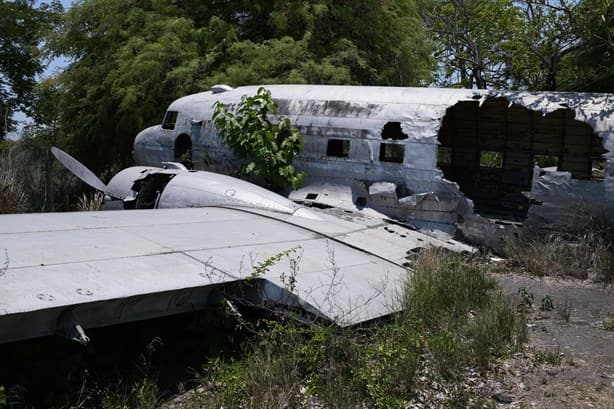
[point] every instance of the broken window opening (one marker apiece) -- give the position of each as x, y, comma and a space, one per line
392, 130
491, 159
391, 152
490, 150
547, 161
183, 150
170, 118
338, 148
444, 156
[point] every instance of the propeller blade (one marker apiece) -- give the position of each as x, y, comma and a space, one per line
78, 169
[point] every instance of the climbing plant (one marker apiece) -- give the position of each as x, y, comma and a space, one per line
269, 142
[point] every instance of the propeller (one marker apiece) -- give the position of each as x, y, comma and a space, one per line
78, 169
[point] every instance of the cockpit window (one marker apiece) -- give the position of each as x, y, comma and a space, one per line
169, 120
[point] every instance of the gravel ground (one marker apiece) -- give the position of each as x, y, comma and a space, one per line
569, 360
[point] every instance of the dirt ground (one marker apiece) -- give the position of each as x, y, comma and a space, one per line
569, 360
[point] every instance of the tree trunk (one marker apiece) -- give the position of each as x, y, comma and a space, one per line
50, 202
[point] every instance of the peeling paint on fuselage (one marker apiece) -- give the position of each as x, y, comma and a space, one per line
417, 191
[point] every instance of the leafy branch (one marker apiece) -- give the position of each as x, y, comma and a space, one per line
255, 131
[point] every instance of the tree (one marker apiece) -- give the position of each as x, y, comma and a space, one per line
541, 45
254, 131
130, 60
589, 64
475, 41
22, 28
325, 41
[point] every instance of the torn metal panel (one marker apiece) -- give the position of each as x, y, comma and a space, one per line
596, 110
409, 160
562, 200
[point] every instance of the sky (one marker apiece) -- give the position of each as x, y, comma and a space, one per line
56, 65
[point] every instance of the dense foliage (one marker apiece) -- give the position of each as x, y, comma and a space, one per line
22, 28
129, 59
527, 44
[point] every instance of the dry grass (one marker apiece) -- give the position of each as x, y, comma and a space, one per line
553, 254
91, 202
585, 250
22, 181
13, 198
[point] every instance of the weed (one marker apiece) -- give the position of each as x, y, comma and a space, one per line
12, 190
496, 328
553, 357
261, 268
526, 298
143, 393
390, 365
23, 186
547, 304
564, 310
466, 318
92, 202
443, 285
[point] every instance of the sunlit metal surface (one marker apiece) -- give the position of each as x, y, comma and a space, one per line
112, 267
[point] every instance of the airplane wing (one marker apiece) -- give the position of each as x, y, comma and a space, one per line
67, 271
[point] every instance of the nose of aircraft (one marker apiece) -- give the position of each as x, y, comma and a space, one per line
147, 147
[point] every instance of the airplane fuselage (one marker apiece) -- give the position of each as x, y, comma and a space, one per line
410, 153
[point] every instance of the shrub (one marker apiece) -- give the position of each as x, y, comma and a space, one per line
455, 317
13, 198
464, 315
270, 145
22, 181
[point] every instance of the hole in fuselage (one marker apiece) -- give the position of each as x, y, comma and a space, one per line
491, 150
150, 189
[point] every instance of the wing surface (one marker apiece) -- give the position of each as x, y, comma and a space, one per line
102, 268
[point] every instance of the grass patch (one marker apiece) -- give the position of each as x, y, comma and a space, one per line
142, 394
554, 357
584, 250
456, 318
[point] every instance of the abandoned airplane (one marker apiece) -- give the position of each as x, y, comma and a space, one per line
425, 156
203, 238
